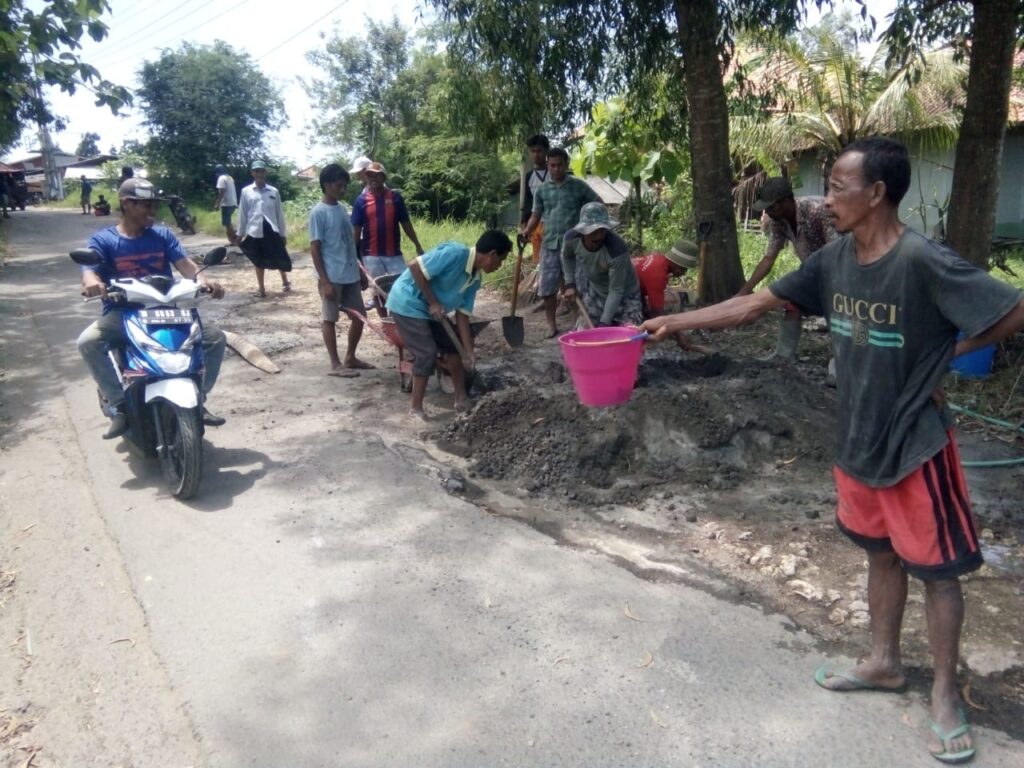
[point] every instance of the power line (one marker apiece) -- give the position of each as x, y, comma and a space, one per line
311, 24
138, 31
180, 36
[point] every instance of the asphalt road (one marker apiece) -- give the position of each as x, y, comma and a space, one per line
324, 602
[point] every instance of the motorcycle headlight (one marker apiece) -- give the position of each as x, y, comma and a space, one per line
169, 361
194, 335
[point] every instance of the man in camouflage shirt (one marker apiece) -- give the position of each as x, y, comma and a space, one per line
805, 223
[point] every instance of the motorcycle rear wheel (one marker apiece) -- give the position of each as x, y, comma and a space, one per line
188, 225
182, 457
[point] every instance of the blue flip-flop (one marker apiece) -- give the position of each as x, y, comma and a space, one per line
856, 684
945, 756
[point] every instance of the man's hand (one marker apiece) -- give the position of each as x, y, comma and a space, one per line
569, 293
364, 281
437, 311
326, 290
939, 398
93, 290
469, 361
657, 327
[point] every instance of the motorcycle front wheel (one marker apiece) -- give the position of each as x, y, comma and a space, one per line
182, 457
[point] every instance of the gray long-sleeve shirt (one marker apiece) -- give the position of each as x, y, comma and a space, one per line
609, 269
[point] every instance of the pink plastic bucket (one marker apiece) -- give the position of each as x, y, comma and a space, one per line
603, 374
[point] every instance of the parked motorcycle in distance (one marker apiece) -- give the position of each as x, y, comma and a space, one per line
182, 217
161, 368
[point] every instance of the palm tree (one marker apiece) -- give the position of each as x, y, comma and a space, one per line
824, 95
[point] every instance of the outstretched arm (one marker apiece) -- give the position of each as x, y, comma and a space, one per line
1011, 323
738, 310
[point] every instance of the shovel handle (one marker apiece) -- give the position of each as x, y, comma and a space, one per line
373, 283
446, 324
584, 315
515, 278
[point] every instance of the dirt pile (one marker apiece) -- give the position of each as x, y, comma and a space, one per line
708, 423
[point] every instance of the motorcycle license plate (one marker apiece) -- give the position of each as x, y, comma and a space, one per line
170, 316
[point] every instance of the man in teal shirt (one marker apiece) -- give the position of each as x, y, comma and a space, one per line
556, 203
443, 280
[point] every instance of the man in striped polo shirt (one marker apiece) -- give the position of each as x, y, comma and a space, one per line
376, 216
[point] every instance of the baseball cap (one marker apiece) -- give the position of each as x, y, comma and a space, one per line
375, 168
360, 164
594, 216
137, 189
683, 254
775, 189
258, 165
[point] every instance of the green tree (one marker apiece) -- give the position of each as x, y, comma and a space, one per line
990, 31
545, 62
39, 47
205, 105
355, 88
89, 146
621, 144
379, 95
821, 94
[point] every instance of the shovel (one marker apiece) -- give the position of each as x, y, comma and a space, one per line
473, 379
512, 326
581, 308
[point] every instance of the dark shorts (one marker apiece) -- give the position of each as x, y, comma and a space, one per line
267, 252
926, 518
423, 339
346, 296
226, 212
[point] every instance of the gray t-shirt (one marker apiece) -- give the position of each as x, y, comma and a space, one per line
609, 269
894, 325
330, 225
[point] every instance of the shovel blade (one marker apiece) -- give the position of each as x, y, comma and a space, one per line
513, 329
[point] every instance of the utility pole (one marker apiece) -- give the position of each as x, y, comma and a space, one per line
54, 188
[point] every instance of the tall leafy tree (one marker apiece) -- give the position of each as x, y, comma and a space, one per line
989, 30
545, 62
40, 48
382, 96
355, 86
822, 94
89, 146
206, 105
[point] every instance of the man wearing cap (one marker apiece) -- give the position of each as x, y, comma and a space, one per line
359, 167
444, 280
263, 235
655, 269
134, 247
556, 204
376, 216
612, 292
227, 201
806, 224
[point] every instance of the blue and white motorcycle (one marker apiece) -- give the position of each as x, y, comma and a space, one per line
161, 368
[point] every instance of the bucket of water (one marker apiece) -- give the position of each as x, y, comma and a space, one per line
602, 363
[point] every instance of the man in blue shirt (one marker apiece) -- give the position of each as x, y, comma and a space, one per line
334, 257
443, 280
134, 247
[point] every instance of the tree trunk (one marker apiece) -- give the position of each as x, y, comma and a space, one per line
708, 115
979, 150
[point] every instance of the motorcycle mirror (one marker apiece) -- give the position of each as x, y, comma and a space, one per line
86, 257
215, 257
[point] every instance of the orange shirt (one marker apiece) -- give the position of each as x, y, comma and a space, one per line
652, 270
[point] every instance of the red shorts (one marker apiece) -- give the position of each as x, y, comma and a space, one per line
926, 518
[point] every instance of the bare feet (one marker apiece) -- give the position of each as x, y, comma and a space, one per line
355, 362
286, 287
419, 415
342, 372
868, 676
463, 405
552, 332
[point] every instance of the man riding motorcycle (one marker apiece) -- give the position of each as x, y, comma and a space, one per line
134, 247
